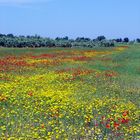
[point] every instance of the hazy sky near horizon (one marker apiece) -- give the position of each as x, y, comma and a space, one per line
73, 18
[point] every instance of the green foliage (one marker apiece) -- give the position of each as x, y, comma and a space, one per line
126, 39
138, 40
100, 38
36, 41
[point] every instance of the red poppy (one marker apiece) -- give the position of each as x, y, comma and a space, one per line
42, 125
116, 125
96, 124
124, 120
108, 126
30, 93
125, 113
103, 117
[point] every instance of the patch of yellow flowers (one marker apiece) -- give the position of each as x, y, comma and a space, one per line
50, 105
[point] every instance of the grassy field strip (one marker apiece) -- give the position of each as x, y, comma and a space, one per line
70, 93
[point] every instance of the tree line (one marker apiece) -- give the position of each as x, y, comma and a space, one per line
35, 41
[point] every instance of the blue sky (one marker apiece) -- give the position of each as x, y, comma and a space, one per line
73, 18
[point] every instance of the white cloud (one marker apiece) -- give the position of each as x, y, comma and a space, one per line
14, 1
21, 2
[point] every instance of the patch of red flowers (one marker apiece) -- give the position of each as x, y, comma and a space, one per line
113, 123
75, 71
81, 58
116, 125
110, 73
108, 126
30, 93
125, 113
124, 120
12, 63
42, 126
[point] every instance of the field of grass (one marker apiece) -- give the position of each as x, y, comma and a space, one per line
69, 94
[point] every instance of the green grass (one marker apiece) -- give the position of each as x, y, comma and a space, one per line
22, 114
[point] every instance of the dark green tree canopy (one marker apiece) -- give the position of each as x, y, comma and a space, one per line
21, 41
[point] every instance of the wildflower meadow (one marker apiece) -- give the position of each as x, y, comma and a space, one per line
70, 94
